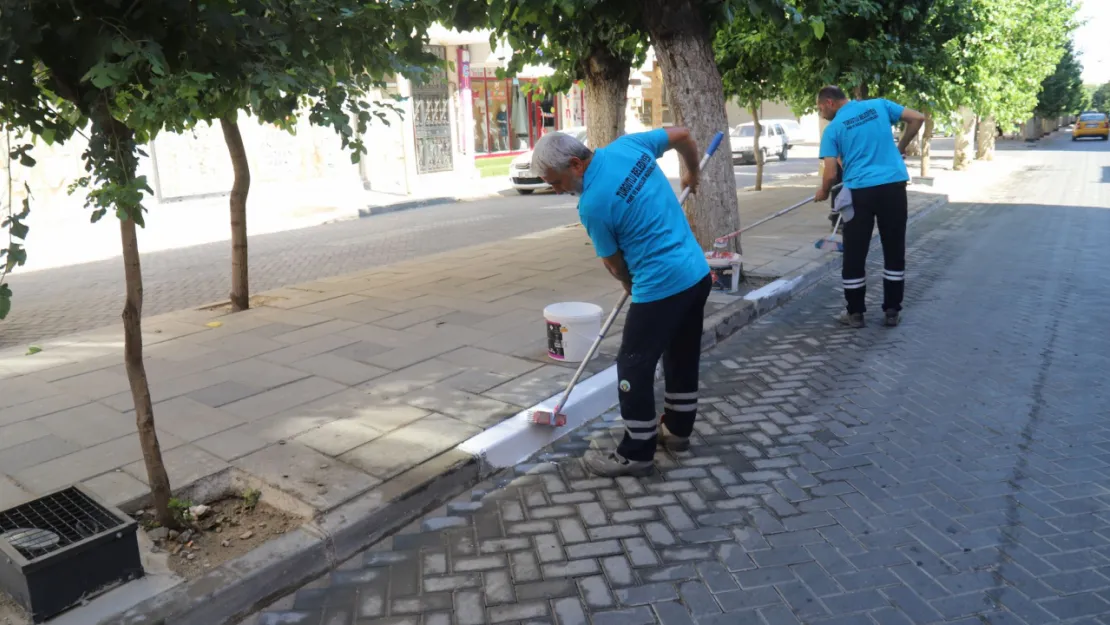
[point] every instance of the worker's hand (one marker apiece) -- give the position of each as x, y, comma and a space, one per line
821, 195
627, 287
690, 179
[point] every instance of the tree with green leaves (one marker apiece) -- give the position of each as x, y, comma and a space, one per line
1017, 44
1062, 90
681, 34
553, 34
317, 59
66, 68
1100, 98
127, 70
752, 55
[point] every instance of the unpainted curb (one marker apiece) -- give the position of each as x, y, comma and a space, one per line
232, 590
235, 588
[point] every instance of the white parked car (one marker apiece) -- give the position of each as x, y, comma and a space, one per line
794, 133
772, 142
521, 176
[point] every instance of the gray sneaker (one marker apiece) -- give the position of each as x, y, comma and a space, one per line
612, 464
852, 320
892, 318
672, 442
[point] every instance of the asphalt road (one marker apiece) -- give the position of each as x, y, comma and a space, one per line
60, 301
955, 469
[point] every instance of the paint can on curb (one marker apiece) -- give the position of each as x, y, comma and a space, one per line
571, 329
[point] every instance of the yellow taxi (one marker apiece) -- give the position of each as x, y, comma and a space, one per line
1091, 125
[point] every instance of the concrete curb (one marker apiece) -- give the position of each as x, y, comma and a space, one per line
234, 589
383, 209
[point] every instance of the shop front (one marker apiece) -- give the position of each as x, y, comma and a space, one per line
510, 114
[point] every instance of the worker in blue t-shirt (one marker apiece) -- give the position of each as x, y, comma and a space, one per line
858, 136
641, 234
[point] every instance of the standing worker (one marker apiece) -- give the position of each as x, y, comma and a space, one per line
875, 176
640, 233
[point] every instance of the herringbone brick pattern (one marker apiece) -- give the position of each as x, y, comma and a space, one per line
953, 470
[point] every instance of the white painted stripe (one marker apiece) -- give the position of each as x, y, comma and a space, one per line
640, 436
639, 425
681, 407
693, 395
894, 278
891, 272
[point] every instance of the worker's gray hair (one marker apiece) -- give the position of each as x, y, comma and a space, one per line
554, 150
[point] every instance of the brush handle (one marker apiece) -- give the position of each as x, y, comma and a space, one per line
709, 152
590, 354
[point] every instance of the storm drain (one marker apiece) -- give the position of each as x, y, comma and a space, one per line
64, 548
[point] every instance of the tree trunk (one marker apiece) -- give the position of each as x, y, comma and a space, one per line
984, 149
136, 376
755, 146
861, 92
965, 140
926, 144
606, 94
683, 46
240, 267
120, 164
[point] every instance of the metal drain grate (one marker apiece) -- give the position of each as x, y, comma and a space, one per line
45, 525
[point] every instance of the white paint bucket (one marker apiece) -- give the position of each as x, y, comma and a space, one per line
571, 328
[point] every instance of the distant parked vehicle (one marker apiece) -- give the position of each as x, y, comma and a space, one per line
794, 133
521, 176
771, 142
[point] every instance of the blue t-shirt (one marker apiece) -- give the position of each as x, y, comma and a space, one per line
860, 135
628, 205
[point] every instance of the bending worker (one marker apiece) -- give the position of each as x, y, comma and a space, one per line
641, 234
875, 179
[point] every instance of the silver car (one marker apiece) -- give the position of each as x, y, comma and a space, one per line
521, 176
773, 142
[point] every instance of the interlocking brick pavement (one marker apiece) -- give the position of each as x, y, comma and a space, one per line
955, 469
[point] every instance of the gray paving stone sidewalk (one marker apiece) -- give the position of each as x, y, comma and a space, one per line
955, 469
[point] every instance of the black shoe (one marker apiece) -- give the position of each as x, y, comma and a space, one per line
892, 319
852, 320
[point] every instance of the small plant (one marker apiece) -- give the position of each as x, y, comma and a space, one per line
179, 508
251, 497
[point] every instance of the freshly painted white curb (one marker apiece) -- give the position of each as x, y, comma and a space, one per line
773, 288
515, 440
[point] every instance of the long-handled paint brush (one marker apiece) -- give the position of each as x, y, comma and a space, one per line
834, 241
556, 417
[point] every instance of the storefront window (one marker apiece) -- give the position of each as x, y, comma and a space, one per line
481, 120
520, 123
506, 118
498, 98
